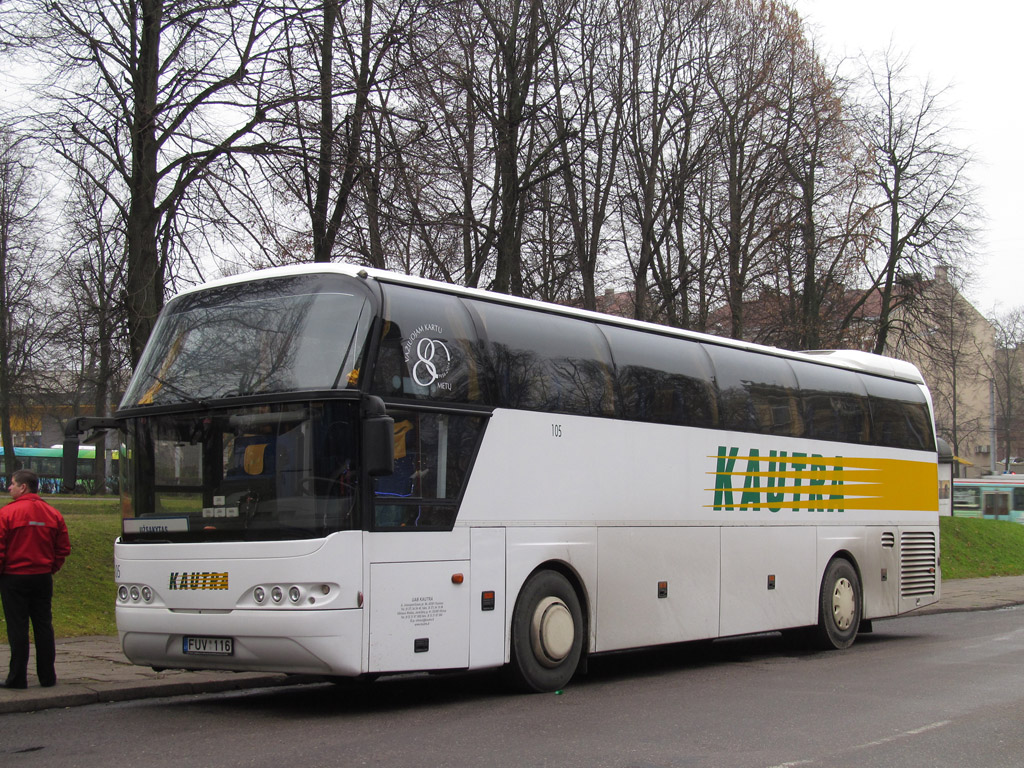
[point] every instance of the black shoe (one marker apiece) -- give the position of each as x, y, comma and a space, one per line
48, 684
11, 685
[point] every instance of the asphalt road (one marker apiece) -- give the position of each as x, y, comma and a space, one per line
935, 690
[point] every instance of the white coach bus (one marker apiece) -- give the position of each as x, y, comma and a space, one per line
338, 471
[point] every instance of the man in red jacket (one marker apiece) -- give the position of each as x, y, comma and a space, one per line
33, 546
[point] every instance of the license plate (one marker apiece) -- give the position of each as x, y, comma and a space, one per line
208, 646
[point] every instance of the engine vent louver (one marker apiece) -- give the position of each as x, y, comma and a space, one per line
918, 563
888, 539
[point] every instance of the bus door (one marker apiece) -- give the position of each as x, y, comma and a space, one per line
996, 505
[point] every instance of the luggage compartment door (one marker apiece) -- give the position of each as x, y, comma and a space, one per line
419, 616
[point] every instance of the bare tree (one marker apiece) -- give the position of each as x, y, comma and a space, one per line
168, 96
92, 325
338, 65
662, 51
924, 202
25, 309
513, 100
950, 342
1007, 372
821, 244
588, 81
745, 75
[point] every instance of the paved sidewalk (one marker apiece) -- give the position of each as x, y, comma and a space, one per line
93, 669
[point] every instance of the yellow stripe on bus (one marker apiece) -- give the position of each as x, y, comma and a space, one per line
835, 483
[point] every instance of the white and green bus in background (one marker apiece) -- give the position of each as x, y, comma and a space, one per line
994, 497
338, 471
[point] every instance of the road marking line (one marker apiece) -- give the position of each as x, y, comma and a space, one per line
878, 743
904, 734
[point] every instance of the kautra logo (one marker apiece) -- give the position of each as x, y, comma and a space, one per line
199, 580
779, 480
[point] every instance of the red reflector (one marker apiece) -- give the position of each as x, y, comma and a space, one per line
458, 578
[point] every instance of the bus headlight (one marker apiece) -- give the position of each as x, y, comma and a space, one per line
135, 593
289, 596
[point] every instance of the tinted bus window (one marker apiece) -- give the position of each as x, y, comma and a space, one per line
834, 403
662, 379
428, 348
757, 393
545, 362
433, 452
899, 415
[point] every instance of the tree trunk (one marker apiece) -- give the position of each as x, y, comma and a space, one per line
145, 278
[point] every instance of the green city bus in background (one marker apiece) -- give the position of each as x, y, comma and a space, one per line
997, 497
46, 462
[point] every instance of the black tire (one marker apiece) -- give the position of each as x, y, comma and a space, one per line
547, 634
840, 606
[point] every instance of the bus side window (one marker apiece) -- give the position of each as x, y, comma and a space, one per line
834, 402
433, 452
899, 416
545, 362
757, 393
662, 379
428, 349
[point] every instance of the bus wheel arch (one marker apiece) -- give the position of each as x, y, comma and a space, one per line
840, 604
548, 630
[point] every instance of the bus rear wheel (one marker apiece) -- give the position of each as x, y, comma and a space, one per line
547, 633
839, 608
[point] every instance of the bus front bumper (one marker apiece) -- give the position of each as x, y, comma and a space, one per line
325, 642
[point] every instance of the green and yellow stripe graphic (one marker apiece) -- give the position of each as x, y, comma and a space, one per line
793, 481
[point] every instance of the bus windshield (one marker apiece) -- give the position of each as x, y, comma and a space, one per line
304, 332
279, 471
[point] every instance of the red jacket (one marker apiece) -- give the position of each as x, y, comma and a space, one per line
33, 537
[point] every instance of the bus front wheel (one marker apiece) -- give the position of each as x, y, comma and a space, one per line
547, 633
839, 609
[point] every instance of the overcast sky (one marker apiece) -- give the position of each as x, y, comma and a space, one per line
975, 48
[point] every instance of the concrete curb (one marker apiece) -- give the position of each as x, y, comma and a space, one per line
79, 693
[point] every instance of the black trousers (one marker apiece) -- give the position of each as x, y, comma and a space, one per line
29, 598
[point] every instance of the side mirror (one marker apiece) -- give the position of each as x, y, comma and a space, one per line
378, 441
